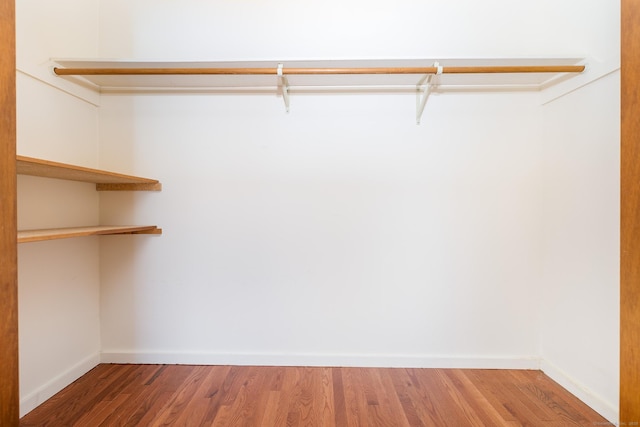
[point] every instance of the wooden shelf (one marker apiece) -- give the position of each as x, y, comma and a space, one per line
26, 236
104, 180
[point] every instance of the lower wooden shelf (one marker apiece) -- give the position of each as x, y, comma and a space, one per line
25, 236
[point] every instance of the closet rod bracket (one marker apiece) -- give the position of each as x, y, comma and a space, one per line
284, 84
423, 89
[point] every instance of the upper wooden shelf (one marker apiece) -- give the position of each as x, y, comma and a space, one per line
397, 74
26, 236
104, 180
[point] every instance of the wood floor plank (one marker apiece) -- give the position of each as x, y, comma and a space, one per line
388, 409
255, 397
457, 393
245, 393
180, 405
269, 415
295, 400
400, 386
423, 409
141, 395
135, 392
285, 399
547, 392
103, 413
149, 408
328, 398
158, 395
162, 388
212, 392
508, 396
492, 391
302, 411
441, 408
541, 399
485, 411
355, 398
339, 402
80, 397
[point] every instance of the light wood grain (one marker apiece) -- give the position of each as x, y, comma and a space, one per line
104, 180
9, 394
156, 186
25, 236
157, 395
316, 71
630, 216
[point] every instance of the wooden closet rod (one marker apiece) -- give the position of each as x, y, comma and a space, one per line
319, 71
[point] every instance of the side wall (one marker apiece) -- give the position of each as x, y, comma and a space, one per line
579, 314
580, 298
58, 280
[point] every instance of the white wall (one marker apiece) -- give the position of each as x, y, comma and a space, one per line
580, 310
339, 234
59, 280
281, 29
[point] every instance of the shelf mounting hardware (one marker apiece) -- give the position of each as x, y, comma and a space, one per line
423, 89
284, 83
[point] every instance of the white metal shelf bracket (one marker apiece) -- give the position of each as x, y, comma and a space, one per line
284, 83
423, 89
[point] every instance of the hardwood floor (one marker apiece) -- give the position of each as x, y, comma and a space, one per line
184, 395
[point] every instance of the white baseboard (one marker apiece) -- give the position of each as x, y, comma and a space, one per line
44, 392
358, 360
593, 400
